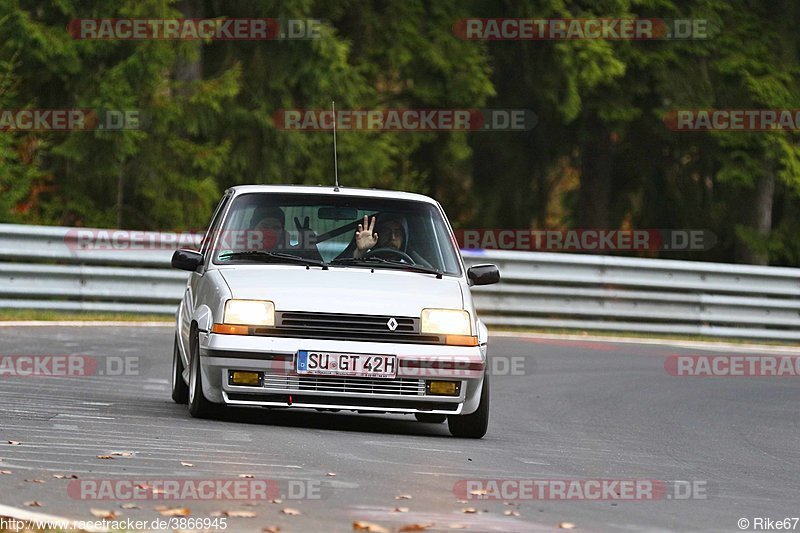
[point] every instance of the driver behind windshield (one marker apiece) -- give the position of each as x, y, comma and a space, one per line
387, 232
270, 222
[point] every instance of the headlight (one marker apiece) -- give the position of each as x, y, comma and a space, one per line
445, 322
249, 312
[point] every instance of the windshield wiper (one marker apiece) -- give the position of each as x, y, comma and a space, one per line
369, 261
273, 257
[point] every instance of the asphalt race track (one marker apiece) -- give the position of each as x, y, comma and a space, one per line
571, 410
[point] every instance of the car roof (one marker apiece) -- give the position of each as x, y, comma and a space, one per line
333, 191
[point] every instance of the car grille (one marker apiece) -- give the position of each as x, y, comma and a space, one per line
401, 386
350, 323
346, 327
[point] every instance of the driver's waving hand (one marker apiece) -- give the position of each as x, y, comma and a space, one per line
365, 237
386, 234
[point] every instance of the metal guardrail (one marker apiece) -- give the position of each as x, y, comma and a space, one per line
555, 290
86, 269
51, 268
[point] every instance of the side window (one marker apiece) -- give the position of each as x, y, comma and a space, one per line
214, 226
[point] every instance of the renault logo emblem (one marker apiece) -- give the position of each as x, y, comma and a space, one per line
392, 324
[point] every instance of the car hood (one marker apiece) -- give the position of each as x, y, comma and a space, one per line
344, 290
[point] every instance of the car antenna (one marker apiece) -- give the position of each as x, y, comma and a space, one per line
335, 156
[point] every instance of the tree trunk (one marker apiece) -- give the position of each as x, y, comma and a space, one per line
759, 219
594, 197
186, 69
120, 193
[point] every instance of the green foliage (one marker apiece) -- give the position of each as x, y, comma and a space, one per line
207, 112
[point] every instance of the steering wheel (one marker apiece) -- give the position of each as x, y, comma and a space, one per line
390, 251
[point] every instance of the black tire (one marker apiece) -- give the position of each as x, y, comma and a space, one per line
430, 418
180, 390
474, 425
199, 406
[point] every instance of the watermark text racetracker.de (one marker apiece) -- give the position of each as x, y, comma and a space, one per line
70, 365
580, 489
498, 365
408, 120
182, 29
244, 488
73, 119
118, 240
733, 365
570, 29
88, 240
586, 240
732, 120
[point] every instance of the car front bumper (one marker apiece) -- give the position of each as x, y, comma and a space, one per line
283, 387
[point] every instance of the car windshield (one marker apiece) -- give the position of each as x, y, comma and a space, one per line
320, 227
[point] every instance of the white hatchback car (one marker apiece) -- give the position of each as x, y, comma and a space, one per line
332, 298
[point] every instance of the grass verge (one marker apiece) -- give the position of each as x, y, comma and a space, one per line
48, 315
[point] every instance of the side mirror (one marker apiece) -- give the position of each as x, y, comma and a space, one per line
483, 274
187, 260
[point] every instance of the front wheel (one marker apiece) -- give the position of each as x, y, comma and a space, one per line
199, 406
474, 425
180, 391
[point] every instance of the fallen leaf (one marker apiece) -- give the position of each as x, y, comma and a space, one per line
511, 512
271, 529
234, 514
13, 442
34, 481
369, 527
129, 506
566, 525
290, 511
403, 497
122, 454
415, 527
33, 503
65, 476
104, 457
246, 476
184, 463
5, 472
277, 501
175, 511
469, 510
479, 492
400, 510
143, 486
104, 513
331, 474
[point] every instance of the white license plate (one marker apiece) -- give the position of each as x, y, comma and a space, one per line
346, 364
